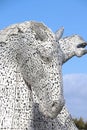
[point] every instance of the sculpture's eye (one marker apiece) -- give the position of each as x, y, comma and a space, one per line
45, 51
2, 44
39, 37
46, 59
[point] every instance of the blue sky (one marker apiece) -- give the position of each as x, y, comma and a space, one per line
56, 13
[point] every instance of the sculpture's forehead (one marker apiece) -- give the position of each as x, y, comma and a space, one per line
40, 30
37, 34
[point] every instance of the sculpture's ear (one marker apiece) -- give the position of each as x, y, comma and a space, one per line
59, 33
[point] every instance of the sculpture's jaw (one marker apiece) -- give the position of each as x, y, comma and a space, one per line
81, 49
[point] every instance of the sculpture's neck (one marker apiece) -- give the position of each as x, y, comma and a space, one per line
67, 56
67, 50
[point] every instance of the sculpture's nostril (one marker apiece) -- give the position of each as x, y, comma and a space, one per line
82, 45
57, 107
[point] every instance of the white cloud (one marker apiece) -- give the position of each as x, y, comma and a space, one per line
75, 91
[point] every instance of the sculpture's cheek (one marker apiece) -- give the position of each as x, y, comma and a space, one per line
49, 90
